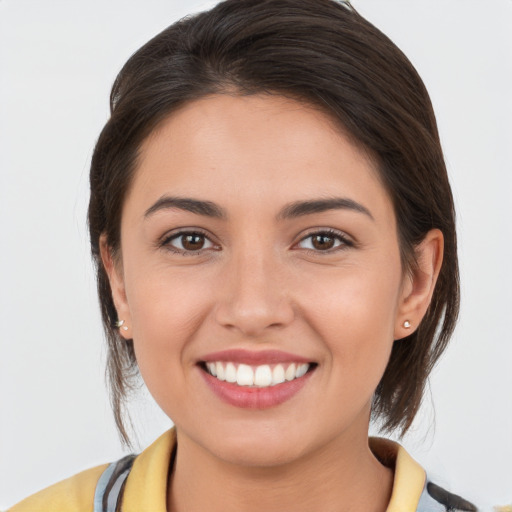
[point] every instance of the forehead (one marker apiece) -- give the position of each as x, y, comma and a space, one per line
266, 149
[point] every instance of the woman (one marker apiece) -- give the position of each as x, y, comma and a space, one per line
274, 234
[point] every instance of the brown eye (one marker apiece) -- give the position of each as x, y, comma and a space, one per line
322, 242
188, 242
325, 241
193, 242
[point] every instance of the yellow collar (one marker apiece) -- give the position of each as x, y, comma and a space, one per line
409, 477
146, 486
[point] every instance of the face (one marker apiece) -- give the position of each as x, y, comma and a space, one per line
258, 244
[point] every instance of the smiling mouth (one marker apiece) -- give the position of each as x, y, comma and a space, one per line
260, 376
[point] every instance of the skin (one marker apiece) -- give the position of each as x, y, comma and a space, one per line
257, 283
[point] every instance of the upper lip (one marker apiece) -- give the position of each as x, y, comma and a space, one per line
254, 357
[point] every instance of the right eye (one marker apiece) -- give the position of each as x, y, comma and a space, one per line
187, 242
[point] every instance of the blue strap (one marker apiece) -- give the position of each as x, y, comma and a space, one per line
110, 486
436, 499
101, 487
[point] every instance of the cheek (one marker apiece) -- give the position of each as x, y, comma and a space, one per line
354, 314
167, 310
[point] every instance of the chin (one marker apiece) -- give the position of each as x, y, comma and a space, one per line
249, 443
256, 453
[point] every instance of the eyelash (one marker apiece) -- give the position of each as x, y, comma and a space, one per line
166, 242
329, 233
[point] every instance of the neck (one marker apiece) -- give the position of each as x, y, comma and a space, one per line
344, 476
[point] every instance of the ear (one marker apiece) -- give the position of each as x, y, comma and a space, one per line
113, 268
419, 285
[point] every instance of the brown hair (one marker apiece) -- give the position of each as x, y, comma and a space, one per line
321, 52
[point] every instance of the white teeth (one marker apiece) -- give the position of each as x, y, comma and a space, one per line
263, 376
289, 374
260, 376
220, 371
230, 372
212, 368
278, 374
301, 370
244, 375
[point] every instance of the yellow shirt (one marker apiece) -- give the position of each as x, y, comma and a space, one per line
146, 485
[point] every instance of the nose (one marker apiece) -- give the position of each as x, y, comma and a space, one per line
253, 296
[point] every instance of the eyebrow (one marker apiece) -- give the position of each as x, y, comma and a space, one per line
206, 208
290, 211
300, 208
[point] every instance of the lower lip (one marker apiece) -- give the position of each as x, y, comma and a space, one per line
253, 397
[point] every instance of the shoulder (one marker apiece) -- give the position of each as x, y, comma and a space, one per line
412, 488
74, 494
144, 490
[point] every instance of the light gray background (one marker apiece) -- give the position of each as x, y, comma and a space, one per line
57, 62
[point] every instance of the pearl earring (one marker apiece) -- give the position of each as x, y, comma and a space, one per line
120, 324
407, 324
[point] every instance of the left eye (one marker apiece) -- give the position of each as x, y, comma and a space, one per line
324, 241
